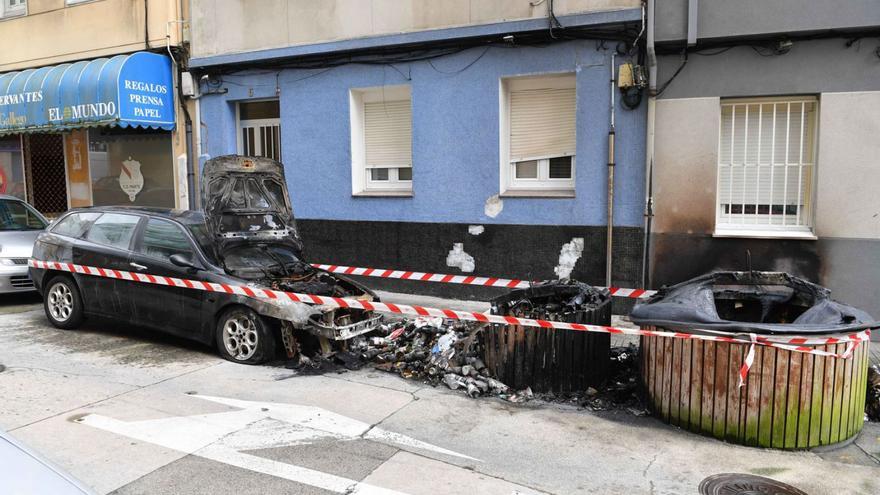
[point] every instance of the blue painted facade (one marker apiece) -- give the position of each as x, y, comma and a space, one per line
455, 126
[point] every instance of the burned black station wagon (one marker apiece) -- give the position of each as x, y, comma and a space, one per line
246, 236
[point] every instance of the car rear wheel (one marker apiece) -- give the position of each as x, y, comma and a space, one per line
63, 303
245, 337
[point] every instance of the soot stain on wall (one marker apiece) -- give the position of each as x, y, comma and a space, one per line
527, 252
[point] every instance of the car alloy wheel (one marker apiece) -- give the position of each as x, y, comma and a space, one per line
60, 302
240, 336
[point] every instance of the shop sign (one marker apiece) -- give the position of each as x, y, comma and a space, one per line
127, 91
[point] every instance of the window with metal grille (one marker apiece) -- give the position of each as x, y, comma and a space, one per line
766, 166
538, 133
381, 134
10, 8
259, 129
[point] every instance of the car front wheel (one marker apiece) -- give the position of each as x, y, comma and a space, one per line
63, 303
243, 336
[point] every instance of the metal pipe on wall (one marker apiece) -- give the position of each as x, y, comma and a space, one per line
609, 241
649, 145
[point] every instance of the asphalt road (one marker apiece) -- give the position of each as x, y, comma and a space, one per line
130, 411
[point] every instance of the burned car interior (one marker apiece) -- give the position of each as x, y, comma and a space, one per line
249, 217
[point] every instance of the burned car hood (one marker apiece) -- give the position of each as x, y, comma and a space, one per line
246, 204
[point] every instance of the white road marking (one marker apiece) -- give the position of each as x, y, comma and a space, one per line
256, 425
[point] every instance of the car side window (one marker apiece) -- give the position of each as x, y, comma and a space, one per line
113, 229
75, 224
162, 239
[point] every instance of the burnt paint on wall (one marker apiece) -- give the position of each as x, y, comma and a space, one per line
679, 257
528, 252
850, 268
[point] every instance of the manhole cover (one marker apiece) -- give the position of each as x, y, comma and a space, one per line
745, 484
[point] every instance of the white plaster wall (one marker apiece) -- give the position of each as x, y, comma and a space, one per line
685, 162
233, 26
848, 168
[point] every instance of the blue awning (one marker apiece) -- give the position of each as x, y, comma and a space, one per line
126, 91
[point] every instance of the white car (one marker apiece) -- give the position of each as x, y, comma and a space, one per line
24, 471
20, 224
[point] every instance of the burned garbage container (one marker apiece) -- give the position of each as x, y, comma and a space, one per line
547, 359
789, 399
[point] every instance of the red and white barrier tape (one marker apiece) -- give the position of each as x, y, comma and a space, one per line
795, 344
445, 278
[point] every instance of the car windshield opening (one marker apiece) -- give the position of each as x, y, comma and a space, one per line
252, 223
264, 260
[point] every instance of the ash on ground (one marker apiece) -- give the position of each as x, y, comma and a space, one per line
621, 392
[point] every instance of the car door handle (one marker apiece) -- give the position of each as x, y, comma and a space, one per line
138, 266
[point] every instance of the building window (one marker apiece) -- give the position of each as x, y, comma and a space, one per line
259, 129
766, 167
538, 135
11, 8
381, 140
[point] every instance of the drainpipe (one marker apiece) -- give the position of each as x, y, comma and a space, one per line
197, 156
609, 242
649, 145
190, 175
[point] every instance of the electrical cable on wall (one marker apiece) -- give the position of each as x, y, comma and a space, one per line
430, 51
684, 59
466, 67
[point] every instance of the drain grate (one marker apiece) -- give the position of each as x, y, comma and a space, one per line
745, 484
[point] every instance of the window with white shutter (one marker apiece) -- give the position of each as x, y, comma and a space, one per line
766, 167
381, 140
538, 135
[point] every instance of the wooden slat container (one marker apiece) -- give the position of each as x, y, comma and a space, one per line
550, 360
790, 400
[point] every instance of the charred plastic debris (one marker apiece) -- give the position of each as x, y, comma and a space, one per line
552, 365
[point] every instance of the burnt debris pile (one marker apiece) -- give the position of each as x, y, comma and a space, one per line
435, 351
454, 354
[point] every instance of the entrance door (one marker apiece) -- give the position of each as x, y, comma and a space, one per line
46, 179
259, 129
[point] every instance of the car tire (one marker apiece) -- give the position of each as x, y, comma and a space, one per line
63, 303
244, 337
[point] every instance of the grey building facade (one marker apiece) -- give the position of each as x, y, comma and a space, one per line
764, 141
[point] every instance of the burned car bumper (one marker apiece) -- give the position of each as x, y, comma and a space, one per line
326, 325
